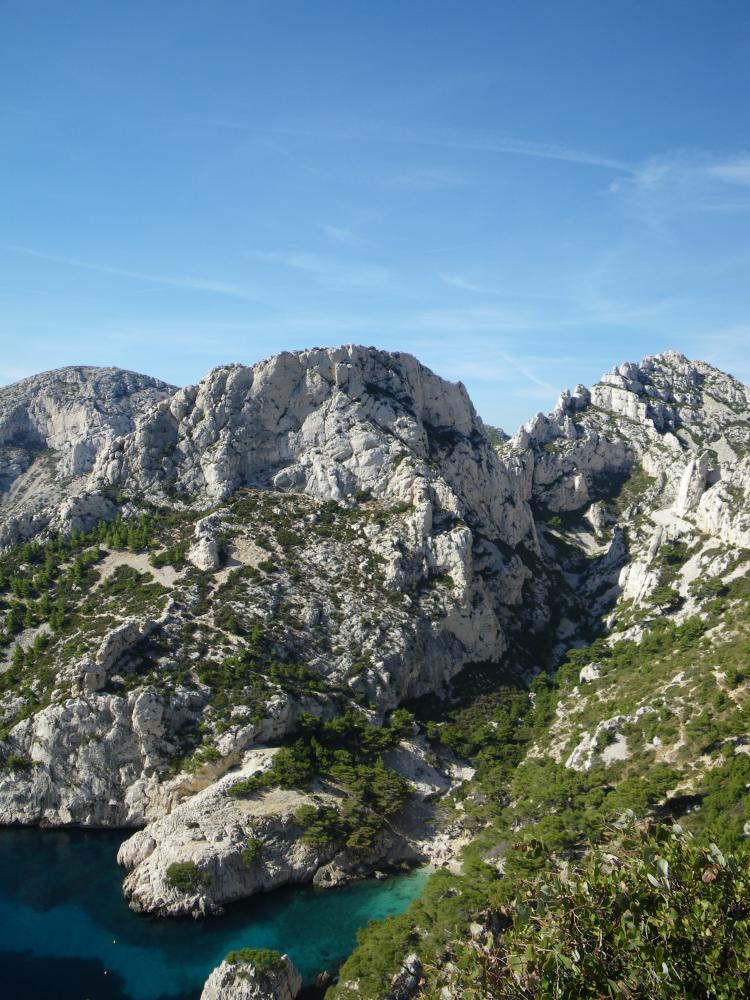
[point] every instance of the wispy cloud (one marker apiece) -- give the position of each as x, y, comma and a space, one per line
456, 246
736, 171
465, 284
511, 146
456, 281
332, 270
496, 369
589, 309
340, 234
461, 140
425, 178
190, 283
681, 182
522, 369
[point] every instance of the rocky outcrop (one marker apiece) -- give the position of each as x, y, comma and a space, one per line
328, 423
684, 422
212, 830
241, 846
405, 983
658, 448
52, 428
204, 552
692, 485
93, 761
88, 676
243, 980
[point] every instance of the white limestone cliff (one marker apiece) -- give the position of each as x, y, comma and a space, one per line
52, 428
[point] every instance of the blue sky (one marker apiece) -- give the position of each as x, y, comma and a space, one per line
520, 194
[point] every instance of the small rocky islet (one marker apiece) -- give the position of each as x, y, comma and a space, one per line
283, 624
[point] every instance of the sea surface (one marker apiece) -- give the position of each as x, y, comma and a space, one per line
67, 934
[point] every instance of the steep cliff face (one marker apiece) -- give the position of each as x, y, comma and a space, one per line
652, 457
684, 422
52, 427
327, 423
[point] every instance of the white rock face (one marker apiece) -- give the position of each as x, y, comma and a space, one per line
243, 981
329, 423
204, 552
684, 421
692, 485
52, 427
211, 830
589, 673
89, 766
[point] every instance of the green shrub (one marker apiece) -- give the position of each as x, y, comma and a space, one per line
261, 958
15, 762
320, 826
252, 852
174, 556
187, 876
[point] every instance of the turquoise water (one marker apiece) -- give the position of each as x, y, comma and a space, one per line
65, 931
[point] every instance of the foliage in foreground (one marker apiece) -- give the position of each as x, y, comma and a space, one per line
653, 916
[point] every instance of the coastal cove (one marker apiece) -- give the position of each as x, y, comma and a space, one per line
68, 932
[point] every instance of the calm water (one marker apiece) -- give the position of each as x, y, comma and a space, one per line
66, 933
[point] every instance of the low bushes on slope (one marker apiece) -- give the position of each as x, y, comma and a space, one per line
654, 916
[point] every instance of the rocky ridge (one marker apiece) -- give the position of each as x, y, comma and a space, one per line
639, 488
653, 456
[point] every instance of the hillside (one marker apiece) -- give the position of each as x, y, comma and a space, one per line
215, 599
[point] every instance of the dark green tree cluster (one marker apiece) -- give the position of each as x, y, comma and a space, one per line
40, 582
252, 851
251, 667
43, 588
186, 876
349, 752
21, 661
261, 958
